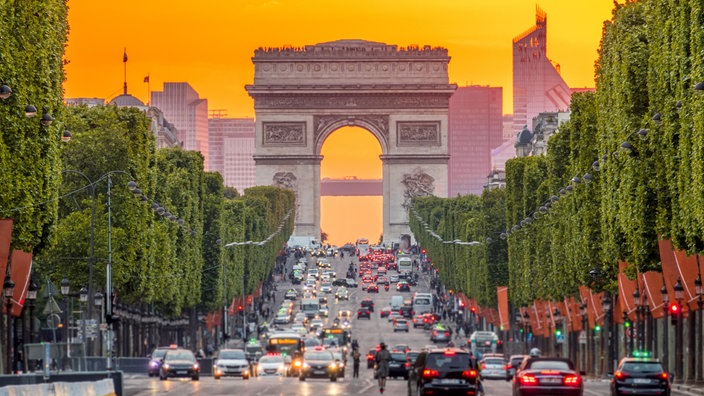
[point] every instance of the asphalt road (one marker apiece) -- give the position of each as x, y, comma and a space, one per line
368, 333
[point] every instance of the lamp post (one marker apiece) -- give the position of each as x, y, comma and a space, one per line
665, 342
83, 298
31, 298
636, 331
98, 301
679, 342
557, 318
65, 289
8, 288
698, 342
585, 330
606, 306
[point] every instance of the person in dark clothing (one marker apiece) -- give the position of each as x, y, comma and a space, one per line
355, 359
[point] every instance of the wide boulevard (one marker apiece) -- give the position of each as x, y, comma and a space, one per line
368, 333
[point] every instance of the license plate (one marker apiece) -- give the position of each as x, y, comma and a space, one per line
641, 381
319, 372
182, 372
555, 380
452, 381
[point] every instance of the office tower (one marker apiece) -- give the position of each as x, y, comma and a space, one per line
475, 125
232, 150
188, 113
537, 84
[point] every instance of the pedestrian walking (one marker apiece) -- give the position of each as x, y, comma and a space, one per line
355, 359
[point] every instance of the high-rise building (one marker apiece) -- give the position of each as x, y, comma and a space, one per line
537, 84
475, 127
188, 113
232, 150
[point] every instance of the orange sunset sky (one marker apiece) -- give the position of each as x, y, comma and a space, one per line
210, 43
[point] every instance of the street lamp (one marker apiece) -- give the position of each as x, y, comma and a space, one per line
65, 289
98, 301
8, 288
585, 330
31, 298
636, 331
665, 343
606, 306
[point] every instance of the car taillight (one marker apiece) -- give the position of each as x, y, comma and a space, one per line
572, 380
664, 376
400, 311
483, 366
469, 374
506, 366
527, 379
435, 333
447, 334
407, 365
620, 375
428, 374
370, 356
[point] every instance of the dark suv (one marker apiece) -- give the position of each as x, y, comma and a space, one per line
442, 371
367, 303
640, 375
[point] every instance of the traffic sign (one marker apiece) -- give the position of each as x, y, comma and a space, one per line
582, 337
560, 338
53, 321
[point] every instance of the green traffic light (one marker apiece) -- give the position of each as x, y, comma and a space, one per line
597, 328
627, 324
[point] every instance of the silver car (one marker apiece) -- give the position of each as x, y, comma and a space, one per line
440, 334
401, 325
271, 365
493, 368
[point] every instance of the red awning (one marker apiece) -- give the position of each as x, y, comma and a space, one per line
652, 283
5, 239
626, 287
671, 271
504, 319
20, 271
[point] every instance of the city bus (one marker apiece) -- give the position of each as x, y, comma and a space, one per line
482, 342
285, 343
362, 246
404, 265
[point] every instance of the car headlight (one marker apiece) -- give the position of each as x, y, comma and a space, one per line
165, 366
195, 366
154, 364
333, 365
297, 363
306, 365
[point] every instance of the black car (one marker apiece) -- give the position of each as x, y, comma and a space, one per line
351, 282
363, 312
640, 376
179, 363
367, 303
398, 365
547, 376
318, 363
406, 311
442, 372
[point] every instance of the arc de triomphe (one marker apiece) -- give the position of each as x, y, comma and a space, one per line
400, 95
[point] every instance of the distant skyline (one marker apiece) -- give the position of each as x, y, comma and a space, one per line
210, 45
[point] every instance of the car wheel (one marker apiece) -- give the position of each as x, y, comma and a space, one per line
301, 378
245, 377
195, 378
162, 377
217, 377
333, 379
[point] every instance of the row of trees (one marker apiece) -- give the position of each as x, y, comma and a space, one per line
171, 264
650, 61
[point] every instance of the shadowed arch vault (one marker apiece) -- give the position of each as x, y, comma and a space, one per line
400, 95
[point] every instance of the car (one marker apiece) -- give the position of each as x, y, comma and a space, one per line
393, 278
407, 311
179, 363
440, 333
323, 311
340, 360
363, 312
291, 294
155, 360
367, 303
394, 315
443, 371
231, 362
381, 270
351, 282
299, 329
316, 324
382, 281
271, 365
326, 287
401, 324
513, 362
384, 312
400, 348
640, 375
344, 314
371, 358
398, 365
418, 321
403, 286
373, 289
339, 282
493, 367
547, 376
282, 318
342, 294
318, 363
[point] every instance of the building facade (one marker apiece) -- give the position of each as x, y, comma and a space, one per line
188, 113
231, 151
537, 84
475, 124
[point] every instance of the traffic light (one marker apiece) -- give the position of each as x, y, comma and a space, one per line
675, 312
558, 332
627, 323
597, 328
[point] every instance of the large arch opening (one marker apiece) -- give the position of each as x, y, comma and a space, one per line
351, 169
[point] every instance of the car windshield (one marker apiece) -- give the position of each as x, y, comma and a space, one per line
437, 361
494, 362
398, 356
180, 355
311, 342
642, 367
253, 348
231, 355
159, 353
271, 359
318, 355
550, 365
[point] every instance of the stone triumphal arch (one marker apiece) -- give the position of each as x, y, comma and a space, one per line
401, 95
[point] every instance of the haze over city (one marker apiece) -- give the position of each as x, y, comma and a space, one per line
210, 46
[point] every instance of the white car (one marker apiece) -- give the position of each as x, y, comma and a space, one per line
231, 362
316, 324
271, 365
323, 311
326, 288
300, 329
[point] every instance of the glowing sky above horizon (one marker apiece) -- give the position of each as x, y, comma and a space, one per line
210, 44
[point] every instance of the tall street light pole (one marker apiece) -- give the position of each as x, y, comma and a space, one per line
606, 304
8, 289
679, 342
665, 342
700, 320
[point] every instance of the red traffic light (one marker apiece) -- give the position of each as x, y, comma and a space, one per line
423, 251
674, 309
239, 307
474, 309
